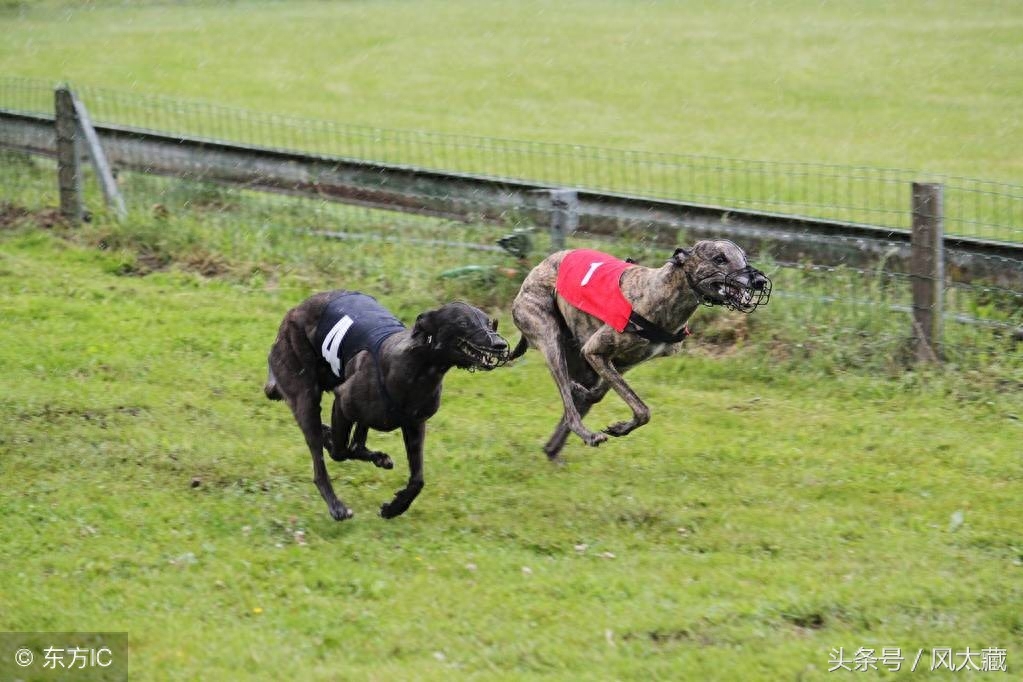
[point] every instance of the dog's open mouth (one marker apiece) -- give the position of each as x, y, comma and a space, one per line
484, 359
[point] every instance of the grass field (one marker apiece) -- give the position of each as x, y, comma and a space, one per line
764, 518
929, 86
794, 494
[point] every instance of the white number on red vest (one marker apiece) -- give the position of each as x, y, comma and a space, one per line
589, 273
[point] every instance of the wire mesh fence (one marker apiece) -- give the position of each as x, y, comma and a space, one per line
851, 194
862, 314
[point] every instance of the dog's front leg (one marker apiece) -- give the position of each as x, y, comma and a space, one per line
344, 445
414, 435
339, 433
595, 350
360, 452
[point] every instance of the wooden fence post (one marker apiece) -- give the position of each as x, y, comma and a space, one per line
69, 176
564, 216
927, 269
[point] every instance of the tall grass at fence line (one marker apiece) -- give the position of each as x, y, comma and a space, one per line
28, 181
260, 239
826, 318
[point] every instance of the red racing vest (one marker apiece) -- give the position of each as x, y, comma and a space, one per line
590, 281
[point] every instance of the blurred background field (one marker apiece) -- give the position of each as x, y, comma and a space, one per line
929, 86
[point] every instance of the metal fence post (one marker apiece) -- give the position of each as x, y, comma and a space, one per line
564, 216
927, 269
69, 176
107, 183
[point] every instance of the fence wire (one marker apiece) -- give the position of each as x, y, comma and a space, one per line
851, 194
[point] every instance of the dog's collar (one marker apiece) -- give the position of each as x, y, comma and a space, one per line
652, 331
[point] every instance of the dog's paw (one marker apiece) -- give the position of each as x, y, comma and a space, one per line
389, 511
382, 460
595, 439
339, 512
619, 429
579, 392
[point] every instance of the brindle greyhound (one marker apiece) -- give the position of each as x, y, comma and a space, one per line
587, 356
383, 376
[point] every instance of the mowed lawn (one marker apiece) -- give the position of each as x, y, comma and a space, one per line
765, 518
929, 86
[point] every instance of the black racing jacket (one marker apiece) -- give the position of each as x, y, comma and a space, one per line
351, 323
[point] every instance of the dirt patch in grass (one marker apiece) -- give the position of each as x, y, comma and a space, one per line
662, 637
206, 264
12, 216
805, 621
146, 262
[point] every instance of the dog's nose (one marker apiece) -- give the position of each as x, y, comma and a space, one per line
759, 282
500, 344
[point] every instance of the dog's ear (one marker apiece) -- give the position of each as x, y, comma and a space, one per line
425, 326
493, 325
681, 255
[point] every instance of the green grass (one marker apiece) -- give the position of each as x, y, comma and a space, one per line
928, 86
797, 490
764, 517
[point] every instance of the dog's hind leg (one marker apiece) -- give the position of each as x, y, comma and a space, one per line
270, 387
289, 378
414, 436
541, 328
307, 412
572, 417
585, 398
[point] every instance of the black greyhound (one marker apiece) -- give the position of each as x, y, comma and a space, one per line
383, 375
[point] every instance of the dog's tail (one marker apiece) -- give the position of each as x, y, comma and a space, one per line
519, 350
270, 388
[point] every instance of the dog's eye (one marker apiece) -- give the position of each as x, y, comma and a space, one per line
720, 259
